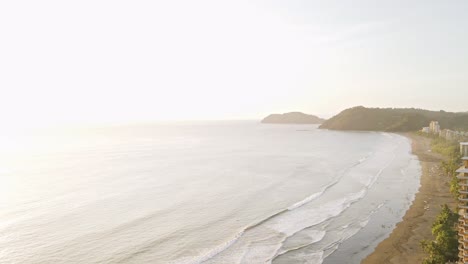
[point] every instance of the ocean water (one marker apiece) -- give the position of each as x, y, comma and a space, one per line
202, 192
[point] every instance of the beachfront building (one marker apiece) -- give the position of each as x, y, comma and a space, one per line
434, 127
463, 205
453, 135
449, 134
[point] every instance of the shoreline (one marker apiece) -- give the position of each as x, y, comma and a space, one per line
403, 244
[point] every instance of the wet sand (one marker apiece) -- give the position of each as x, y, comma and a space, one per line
403, 244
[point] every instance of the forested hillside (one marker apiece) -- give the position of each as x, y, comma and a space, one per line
394, 119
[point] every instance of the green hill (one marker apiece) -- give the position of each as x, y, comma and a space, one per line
292, 118
394, 119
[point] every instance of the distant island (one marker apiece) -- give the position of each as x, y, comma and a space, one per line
292, 118
394, 119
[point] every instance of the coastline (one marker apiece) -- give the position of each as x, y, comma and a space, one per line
403, 244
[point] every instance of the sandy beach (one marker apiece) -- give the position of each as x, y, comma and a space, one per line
403, 245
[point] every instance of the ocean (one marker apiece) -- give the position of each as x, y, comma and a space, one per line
202, 192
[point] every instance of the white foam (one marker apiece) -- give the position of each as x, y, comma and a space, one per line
363, 159
293, 221
310, 236
261, 243
380, 158
318, 194
315, 235
306, 200
312, 258
210, 253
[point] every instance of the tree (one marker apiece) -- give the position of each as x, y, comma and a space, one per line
444, 247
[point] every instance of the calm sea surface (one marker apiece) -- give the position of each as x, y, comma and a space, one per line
211, 192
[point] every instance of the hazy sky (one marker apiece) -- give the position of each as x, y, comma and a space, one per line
119, 61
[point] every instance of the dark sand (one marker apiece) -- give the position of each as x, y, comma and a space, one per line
403, 244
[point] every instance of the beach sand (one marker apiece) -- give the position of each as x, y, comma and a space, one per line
403, 244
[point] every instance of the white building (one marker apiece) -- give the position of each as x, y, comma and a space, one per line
450, 135
434, 127
464, 149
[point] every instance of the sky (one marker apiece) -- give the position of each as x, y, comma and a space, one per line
69, 62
